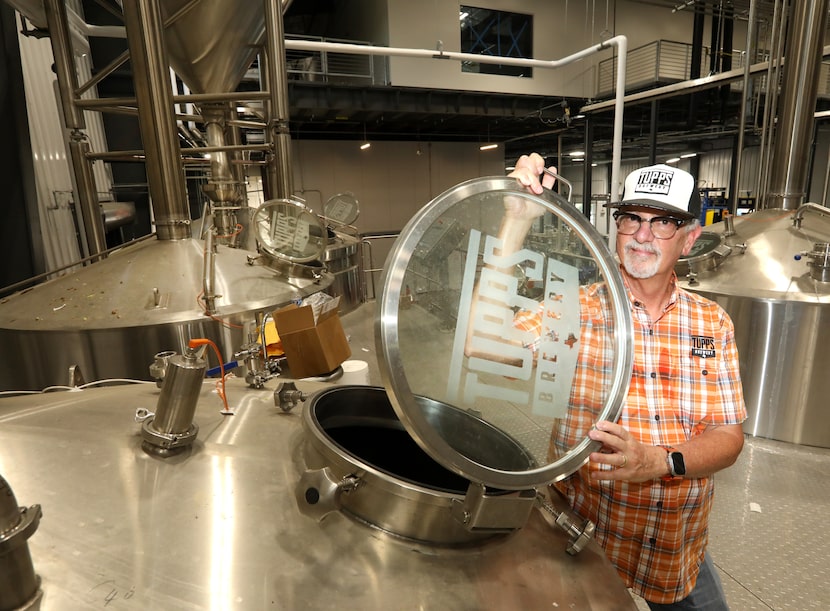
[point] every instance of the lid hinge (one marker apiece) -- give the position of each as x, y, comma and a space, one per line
500, 512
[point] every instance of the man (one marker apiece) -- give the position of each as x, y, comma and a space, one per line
649, 490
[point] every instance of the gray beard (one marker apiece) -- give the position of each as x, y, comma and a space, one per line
637, 267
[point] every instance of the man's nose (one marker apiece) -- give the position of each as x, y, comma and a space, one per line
644, 233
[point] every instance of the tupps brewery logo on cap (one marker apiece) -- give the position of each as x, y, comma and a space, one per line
654, 182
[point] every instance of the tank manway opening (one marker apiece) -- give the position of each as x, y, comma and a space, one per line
361, 421
362, 461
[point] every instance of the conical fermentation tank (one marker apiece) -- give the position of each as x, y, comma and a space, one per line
427, 493
769, 271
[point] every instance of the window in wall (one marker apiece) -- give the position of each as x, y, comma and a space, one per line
498, 33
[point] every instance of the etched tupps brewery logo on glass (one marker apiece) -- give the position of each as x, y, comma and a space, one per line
530, 364
654, 182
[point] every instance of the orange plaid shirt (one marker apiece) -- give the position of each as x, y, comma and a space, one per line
685, 376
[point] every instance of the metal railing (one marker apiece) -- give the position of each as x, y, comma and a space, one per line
368, 262
332, 67
660, 60
666, 61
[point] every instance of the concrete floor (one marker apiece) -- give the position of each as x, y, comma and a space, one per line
769, 534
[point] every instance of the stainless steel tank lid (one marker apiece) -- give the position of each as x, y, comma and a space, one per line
448, 323
289, 232
704, 246
342, 208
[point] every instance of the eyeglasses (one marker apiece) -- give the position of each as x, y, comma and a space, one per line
663, 227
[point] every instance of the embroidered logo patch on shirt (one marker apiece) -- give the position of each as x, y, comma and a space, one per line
703, 346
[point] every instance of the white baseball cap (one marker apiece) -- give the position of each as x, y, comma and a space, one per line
661, 187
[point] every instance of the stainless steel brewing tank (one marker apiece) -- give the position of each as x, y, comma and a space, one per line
112, 317
759, 268
218, 527
342, 259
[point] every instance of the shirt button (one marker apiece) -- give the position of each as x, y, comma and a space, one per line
659, 504
657, 417
651, 331
705, 372
653, 541
653, 375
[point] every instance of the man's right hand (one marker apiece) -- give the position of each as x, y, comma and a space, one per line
527, 171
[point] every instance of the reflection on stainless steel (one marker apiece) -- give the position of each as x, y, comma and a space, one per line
781, 309
218, 525
113, 317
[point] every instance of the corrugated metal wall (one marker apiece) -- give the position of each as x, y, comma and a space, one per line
53, 173
713, 173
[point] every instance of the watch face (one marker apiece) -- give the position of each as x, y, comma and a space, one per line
679, 463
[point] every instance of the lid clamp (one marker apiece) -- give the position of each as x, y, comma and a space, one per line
580, 535
504, 512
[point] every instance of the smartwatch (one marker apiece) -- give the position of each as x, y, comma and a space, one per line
676, 464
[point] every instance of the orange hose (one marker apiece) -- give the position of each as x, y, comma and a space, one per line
224, 323
195, 343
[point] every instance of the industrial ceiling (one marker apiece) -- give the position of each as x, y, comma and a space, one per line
326, 109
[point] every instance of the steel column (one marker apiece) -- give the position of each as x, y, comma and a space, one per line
794, 128
165, 174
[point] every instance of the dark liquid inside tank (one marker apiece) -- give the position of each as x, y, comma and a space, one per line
393, 451
361, 421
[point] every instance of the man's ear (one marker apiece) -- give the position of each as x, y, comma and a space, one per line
691, 238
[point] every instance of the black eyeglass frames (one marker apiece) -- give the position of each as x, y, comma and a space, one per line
663, 227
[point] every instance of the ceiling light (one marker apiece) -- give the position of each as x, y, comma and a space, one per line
687, 155
365, 145
577, 154
463, 16
488, 147
579, 159
673, 160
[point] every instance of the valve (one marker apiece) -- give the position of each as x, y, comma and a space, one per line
287, 395
580, 535
259, 366
692, 278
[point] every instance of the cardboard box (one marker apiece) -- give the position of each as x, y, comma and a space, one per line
312, 348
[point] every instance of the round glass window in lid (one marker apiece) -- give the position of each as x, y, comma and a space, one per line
530, 333
342, 208
289, 232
